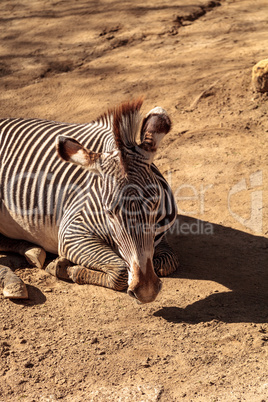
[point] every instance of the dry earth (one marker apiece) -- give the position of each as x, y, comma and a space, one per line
206, 336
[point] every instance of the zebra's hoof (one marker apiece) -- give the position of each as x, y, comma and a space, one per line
58, 268
15, 291
36, 256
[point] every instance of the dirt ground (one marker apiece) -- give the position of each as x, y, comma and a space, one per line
206, 336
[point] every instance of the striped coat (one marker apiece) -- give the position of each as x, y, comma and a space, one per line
90, 193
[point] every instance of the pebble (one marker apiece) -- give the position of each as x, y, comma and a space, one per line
260, 76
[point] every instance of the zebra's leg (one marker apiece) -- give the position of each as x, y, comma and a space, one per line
165, 261
112, 277
34, 255
103, 268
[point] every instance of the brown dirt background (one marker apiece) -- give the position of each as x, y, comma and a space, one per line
206, 336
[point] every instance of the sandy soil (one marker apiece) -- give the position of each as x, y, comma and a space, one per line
206, 336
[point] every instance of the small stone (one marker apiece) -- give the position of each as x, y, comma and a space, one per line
146, 363
48, 290
260, 76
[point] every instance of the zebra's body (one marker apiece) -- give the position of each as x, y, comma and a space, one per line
59, 206
32, 207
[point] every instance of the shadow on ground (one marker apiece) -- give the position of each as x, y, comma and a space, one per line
36, 297
235, 259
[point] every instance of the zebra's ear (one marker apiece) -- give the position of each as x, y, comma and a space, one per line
72, 151
154, 127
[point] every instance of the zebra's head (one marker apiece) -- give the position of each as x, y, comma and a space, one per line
130, 192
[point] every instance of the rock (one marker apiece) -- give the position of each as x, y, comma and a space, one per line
260, 76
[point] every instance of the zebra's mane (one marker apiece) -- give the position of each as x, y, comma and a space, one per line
125, 121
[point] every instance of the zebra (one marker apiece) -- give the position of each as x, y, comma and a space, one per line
91, 194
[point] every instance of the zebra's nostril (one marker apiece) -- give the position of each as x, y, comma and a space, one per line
131, 294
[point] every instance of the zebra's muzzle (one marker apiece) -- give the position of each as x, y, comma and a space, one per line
131, 294
144, 287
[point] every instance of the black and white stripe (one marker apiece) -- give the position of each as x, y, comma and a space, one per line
69, 210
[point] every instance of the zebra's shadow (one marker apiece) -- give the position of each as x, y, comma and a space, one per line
232, 258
